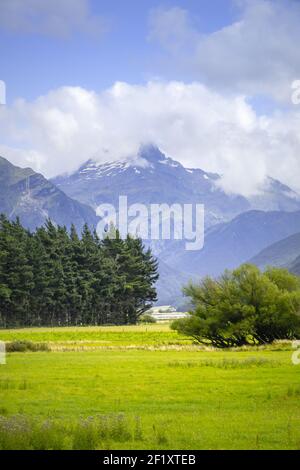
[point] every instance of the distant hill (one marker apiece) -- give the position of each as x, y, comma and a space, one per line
294, 267
33, 199
170, 284
280, 254
228, 245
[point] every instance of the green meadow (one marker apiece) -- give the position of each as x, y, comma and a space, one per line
145, 387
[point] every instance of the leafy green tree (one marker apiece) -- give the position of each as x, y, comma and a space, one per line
243, 306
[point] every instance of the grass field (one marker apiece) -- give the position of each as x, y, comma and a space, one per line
135, 336
145, 387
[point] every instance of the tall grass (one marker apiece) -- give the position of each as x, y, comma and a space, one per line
115, 336
227, 363
25, 346
96, 432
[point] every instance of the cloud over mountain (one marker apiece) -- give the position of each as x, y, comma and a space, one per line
195, 125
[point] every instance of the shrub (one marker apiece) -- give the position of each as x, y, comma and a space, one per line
146, 318
243, 306
23, 346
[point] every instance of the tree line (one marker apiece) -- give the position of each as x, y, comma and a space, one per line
53, 277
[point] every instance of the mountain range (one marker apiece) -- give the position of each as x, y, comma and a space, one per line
237, 229
153, 178
230, 244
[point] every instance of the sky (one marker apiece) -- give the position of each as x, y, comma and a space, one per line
210, 83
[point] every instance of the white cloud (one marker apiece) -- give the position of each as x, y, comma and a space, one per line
59, 18
191, 123
256, 55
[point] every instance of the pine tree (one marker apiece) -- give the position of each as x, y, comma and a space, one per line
52, 277
16, 272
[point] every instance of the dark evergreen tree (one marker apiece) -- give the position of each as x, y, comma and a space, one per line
52, 277
16, 277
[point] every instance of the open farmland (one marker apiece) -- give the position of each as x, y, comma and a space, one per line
145, 387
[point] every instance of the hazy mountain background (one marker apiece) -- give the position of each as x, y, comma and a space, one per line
294, 267
230, 244
283, 254
237, 228
280, 254
263, 228
152, 177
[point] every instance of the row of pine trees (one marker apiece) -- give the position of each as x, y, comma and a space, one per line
55, 277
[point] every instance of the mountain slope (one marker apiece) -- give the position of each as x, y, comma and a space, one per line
275, 196
170, 284
279, 254
294, 267
33, 199
228, 245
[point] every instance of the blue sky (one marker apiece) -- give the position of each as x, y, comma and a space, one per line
31, 64
209, 82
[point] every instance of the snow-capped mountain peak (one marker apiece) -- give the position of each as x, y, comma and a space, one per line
153, 177
148, 160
